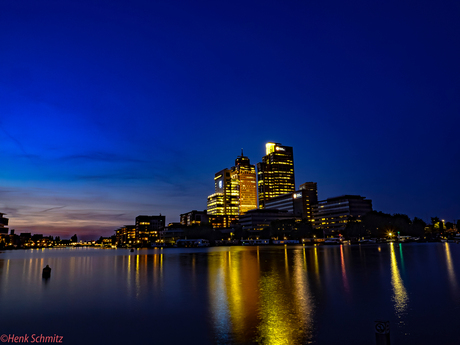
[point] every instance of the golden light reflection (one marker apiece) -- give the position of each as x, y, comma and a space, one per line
257, 298
450, 268
304, 259
400, 295
161, 265
303, 295
138, 285
286, 263
286, 307
316, 261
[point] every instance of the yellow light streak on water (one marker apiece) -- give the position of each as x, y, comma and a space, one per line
316, 261
400, 297
138, 284
161, 266
303, 296
286, 264
450, 268
304, 259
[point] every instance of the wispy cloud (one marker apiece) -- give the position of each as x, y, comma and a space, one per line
16, 141
53, 208
99, 156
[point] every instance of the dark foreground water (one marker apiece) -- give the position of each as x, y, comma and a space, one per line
234, 295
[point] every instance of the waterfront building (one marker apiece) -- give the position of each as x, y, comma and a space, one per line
275, 174
333, 214
3, 224
299, 203
148, 228
172, 233
4, 237
244, 174
258, 219
126, 235
194, 218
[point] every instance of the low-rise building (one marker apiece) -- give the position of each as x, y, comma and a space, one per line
126, 236
333, 214
299, 203
258, 219
194, 218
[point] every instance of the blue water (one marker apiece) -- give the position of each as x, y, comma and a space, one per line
234, 295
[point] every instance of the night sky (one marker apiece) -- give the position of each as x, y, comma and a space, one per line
111, 109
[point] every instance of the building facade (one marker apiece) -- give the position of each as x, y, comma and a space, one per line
235, 190
299, 203
4, 237
333, 214
246, 184
148, 228
257, 220
309, 198
194, 218
3, 224
224, 202
275, 174
126, 236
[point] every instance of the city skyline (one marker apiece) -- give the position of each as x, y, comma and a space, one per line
113, 110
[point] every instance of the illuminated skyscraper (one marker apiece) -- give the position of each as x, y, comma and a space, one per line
245, 176
275, 174
224, 202
235, 190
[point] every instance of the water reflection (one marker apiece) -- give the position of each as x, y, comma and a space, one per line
234, 295
344, 271
450, 268
399, 291
259, 298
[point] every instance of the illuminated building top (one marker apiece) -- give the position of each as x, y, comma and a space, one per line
275, 174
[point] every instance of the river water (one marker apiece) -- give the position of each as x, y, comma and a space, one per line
233, 295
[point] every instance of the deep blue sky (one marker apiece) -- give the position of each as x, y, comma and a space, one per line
111, 109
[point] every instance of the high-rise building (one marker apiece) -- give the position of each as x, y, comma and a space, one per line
246, 185
309, 198
275, 174
3, 223
224, 202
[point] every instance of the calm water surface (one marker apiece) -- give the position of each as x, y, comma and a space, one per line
234, 295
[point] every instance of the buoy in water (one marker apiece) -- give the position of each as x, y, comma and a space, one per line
46, 272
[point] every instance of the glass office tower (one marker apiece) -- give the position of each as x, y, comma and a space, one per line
275, 174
